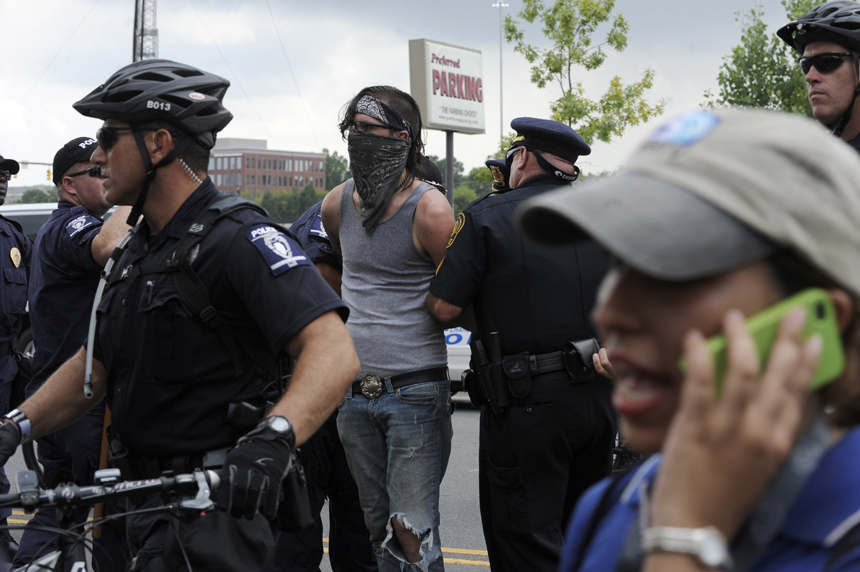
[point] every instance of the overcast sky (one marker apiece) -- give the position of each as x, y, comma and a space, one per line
57, 51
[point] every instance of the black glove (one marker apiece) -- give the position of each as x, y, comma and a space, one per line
10, 436
253, 471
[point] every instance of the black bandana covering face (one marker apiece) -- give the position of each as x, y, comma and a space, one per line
376, 162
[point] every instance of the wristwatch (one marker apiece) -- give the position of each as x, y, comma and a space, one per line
20, 419
706, 545
282, 427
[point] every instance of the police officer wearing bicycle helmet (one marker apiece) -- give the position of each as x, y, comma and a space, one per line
828, 40
547, 428
207, 297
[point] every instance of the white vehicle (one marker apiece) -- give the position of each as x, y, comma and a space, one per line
457, 341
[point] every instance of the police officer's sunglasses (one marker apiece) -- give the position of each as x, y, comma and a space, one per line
94, 171
107, 136
5, 175
824, 63
362, 126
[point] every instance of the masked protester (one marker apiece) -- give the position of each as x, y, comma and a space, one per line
391, 228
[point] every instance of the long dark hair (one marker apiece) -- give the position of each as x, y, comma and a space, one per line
403, 104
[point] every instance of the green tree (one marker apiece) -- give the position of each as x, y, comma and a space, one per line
762, 70
37, 196
336, 169
458, 169
463, 195
569, 26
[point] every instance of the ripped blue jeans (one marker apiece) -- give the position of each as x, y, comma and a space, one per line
397, 447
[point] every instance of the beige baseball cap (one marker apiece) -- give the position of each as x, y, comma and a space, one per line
713, 190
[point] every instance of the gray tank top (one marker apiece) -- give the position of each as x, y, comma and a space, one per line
385, 283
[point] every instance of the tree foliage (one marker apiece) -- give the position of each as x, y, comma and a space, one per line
336, 169
569, 25
38, 196
762, 70
287, 206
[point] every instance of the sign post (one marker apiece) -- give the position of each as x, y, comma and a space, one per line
447, 82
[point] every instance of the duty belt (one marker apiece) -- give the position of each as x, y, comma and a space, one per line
372, 385
141, 467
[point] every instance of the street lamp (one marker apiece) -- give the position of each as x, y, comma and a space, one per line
501, 6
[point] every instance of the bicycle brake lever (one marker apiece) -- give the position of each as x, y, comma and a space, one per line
202, 501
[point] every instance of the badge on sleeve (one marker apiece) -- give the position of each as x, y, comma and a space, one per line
317, 228
280, 252
461, 222
15, 255
79, 223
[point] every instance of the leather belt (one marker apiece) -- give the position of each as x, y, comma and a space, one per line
372, 386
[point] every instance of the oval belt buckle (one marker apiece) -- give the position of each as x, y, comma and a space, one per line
371, 386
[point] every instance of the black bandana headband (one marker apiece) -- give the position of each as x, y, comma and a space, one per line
384, 113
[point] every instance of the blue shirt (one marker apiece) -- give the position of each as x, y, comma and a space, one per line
15, 253
827, 508
311, 234
62, 285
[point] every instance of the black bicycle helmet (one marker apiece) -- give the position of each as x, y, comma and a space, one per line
150, 90
837, 22
161, 90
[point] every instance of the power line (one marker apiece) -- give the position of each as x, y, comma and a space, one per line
290, 67
44, 71
242, 89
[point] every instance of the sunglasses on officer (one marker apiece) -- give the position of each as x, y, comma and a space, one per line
5, 175
510, 154
94, 171
824, 63
107, 136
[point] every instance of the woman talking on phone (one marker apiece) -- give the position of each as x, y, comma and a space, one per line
719, 218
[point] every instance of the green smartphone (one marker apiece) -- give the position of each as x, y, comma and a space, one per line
764, 327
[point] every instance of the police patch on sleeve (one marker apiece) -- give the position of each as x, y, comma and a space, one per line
79, 223
280, 252
461, 222
317, 228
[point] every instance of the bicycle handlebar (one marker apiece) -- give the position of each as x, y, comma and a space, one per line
29, 497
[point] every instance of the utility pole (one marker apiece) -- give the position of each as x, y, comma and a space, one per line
145, 45
501, 6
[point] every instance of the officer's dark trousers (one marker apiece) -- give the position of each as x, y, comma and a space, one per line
216, 542
328, 475
536, 458
72, 455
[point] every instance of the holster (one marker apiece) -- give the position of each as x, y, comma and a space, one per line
499, 380
294, 510
473, 388
578, 362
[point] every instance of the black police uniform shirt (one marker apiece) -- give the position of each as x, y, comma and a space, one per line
170, 379
15, 255
537, 298
311, 234
63, 281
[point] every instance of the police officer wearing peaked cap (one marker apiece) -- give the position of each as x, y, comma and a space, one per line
548, 427
208, 299
15, 253
501, 173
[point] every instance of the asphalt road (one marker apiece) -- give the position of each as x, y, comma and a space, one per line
462, 539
